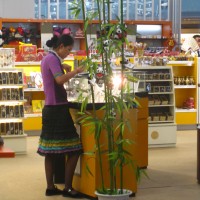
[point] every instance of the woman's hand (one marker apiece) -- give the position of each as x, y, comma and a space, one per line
66, 67
79, 69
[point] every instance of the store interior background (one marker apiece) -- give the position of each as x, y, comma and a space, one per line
185, 18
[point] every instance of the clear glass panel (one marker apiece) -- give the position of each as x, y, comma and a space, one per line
131, 9
70, 12
156, 9
37, 9
53, 9
62, 9
140, 10
96, 8
164, 9
89, 5
115, 8
44, 8
125, 9
70, 5
148, 10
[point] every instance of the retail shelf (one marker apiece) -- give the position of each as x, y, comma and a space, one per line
14, 136
162, 105
184, 86
7, 120
185, 110
27, 63
160, 122
11, 86
12, 102
33, 90
31, 115
161, 93
163, 80
181, 63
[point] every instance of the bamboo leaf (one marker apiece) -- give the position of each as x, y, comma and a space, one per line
73, 8
77, 13
89, 171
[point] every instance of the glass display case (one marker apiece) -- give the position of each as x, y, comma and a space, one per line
80, 86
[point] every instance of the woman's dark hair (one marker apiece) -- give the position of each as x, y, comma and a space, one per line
56, 41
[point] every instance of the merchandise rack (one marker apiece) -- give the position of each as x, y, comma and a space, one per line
161, 123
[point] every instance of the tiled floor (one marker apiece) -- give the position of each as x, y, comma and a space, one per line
172, 173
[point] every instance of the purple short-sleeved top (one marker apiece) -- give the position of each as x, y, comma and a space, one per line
51, 68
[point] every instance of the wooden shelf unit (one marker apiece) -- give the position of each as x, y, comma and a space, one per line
166, 25
183, 92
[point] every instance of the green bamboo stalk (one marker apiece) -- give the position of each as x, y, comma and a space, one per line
93, 102
108, 93
121, 117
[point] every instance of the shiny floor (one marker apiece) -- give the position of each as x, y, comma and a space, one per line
172, 173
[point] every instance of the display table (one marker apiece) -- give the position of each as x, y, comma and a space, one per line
86, 183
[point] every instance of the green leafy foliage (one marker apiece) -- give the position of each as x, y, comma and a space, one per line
113, 123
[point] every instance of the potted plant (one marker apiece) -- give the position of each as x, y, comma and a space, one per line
113, 154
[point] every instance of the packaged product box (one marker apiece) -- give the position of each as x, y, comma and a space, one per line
37, 106
7, 111
21, 110
20, 128
16, 111
12, 128
28, 49
3, 128
3, 111
7, 128
27, 52
15, 77
4, 94
8, 92
16, 128
21, 94
20, 78
37, 79
11, 110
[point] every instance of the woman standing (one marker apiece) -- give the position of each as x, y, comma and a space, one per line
58, 136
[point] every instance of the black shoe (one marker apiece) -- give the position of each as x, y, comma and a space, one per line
71, 193
52, 192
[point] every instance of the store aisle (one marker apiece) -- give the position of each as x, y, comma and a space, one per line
172, 173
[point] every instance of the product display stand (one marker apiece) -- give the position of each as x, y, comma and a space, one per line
186, 92
11, 103
158, 81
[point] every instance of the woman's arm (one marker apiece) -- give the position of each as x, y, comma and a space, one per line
66, 77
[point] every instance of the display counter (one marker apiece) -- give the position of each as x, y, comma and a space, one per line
139, 134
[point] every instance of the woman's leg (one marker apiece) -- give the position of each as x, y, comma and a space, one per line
69, 170
49, 170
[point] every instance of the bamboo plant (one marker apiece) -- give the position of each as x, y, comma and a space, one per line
112, 39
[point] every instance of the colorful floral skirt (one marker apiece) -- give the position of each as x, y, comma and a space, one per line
59, 135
